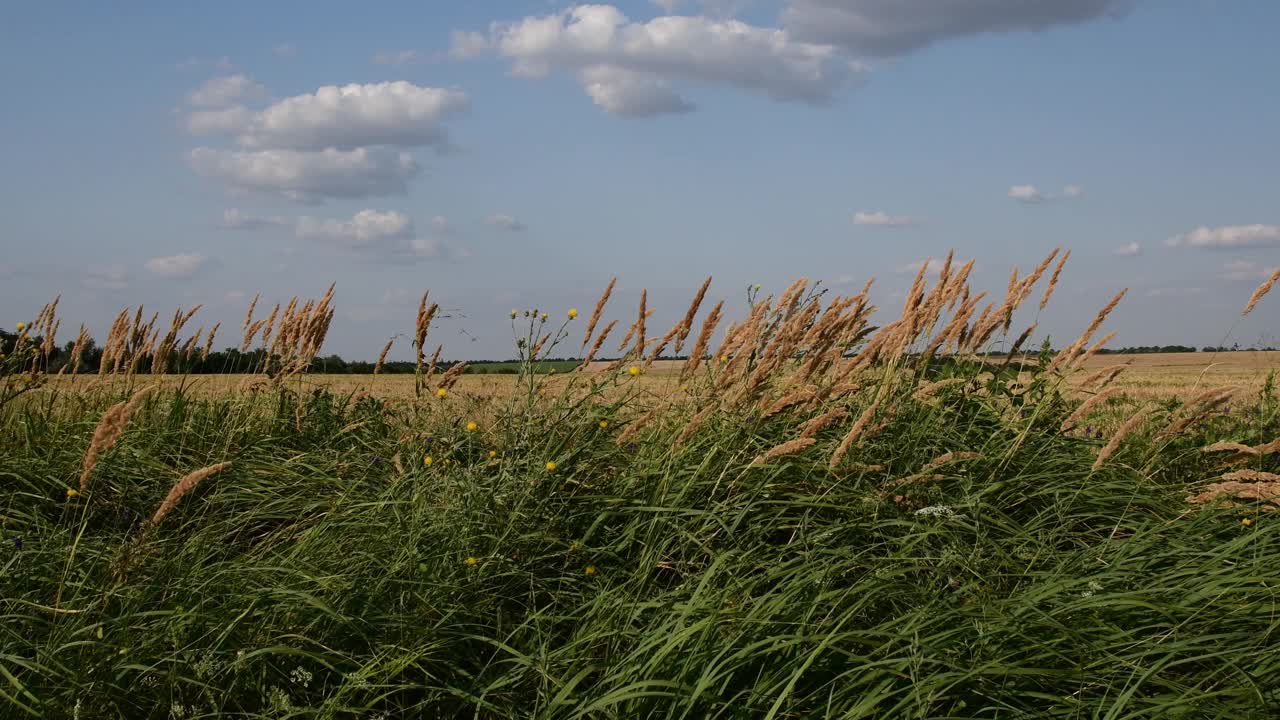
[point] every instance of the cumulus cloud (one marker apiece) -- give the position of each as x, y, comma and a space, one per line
308, 176
1228, 237
895, 27
376, 235
106, 277
233, 219
1132, 249
506, 222
627, 66
215, 122
441, 226
391, 113
221, 92
182, 265
883, 219
1031, 195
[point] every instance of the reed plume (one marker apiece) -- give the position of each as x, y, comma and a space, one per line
1260, 292
185, 484
1110, 448
108, 431
382, 356
598, 311
790, 447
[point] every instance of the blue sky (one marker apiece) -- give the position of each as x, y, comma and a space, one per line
518, 154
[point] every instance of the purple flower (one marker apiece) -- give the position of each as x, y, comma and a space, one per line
1088, 430
17, 542
1098, 435
376, 459
632, 446
751, 419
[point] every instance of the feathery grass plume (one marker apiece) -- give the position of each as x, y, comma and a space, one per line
949, 457
1017, 344
1268, 492
1268, 447
248, 316
1104, 376
190, 345
1084, 357
814, 426
686, 325
537, 347
595, 347
451, 375
1053, 279
382, 356
791, 399
422, 326
269, 325
1251, 476
1085, 407
854, 431
1114, 444
77, 351
1260, 292
930, 389
1066, 357
598, 311
435, 360
640, 321
249, 332
700, 345
1230, 447
108, 431
692, 426
791, 447
636, 425
1196, 410
185, 484
208, 343
661, 345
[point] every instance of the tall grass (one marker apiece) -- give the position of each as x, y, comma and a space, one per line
966, 555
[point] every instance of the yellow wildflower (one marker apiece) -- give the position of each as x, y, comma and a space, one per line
21, 326
442, 393
604, 424
591, 570
1243, 521
551, 466
493, 454
71, 492
514, 313
544, 317
573, 313
472, 426
633, 370
427, 460
471, 562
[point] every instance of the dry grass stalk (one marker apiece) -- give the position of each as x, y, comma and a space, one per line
1196, 410
435, 359
595, 347
269, 325
1017, 344
789, 400
1103, 377
537, 347
1084, 358
1230, 447
790, 447
640, 321
662, 345
636, 425
1053, 279
853, 433
108, 431
686, 325
451, 375
185, 485
382, 356
598, 311
814, 426
1251, 476
208, 343
1260, 292
930, 389
248, 316
1266, 492
1085, 407
692, 426
949, 457
77, 351
1114, 444
704, 337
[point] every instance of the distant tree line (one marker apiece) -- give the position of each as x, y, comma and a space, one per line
232, 360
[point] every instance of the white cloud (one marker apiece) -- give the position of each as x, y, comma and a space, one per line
233, 219
223, 121
107, 277
627, 66
1245, 270
465, 45
894, 27
183, 265
440, 225
309, 176
1132, 249
1031, 195
667, 6
367, 226
397, 57
1228, 236
506, 222
377, 235
352, 116
883, 219
285, 50
221, 92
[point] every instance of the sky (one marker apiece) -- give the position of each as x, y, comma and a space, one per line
520, 154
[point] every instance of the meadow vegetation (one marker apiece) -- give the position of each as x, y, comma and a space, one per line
821, 514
